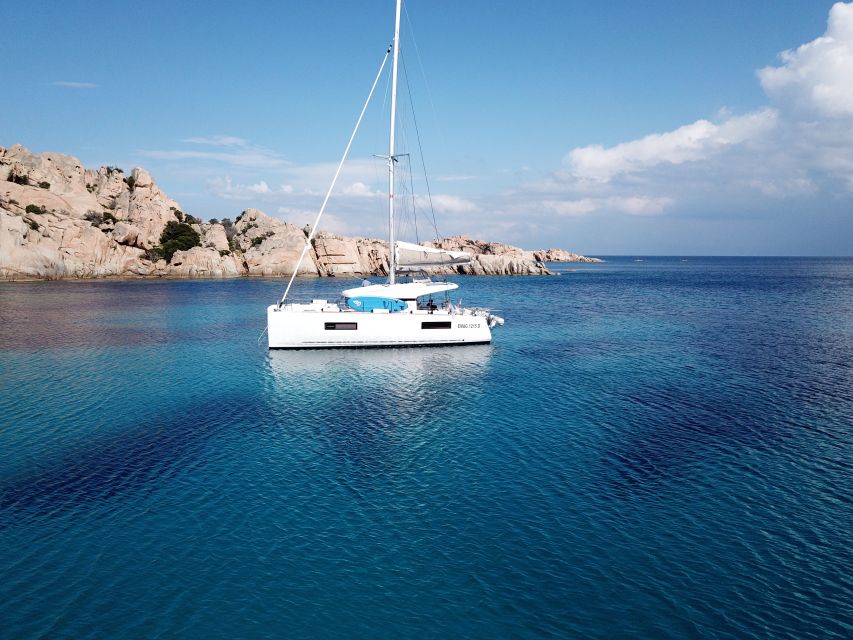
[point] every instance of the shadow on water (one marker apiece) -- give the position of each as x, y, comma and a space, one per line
120, 463
645, 464
670, 433
760, 392
356, 402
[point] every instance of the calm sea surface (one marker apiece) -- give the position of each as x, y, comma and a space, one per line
658, 449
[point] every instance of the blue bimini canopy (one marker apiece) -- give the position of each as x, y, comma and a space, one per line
368, 304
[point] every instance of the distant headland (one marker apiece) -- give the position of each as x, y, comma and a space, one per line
59, 220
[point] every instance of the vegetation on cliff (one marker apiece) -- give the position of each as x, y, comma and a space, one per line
177, 236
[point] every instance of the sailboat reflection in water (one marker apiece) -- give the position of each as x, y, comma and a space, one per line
410, 311
379, 375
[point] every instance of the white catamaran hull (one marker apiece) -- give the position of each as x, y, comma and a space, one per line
396, 314
320, 326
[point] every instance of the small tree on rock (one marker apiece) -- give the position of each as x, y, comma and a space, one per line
178, 236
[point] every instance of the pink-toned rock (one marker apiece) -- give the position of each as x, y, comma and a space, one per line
337, 256
560, 255
493, 258
271, 247
214, 237
65, 235
125, 233
200, 262
101, 222
148, 208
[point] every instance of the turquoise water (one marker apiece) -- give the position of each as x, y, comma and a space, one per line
648, 449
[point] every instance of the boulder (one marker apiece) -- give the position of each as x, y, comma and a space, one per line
337, 256
560, 255
213, 236
201, 262
125, 233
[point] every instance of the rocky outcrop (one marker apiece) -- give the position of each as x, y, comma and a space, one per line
201, 262
59, 220
560, 255
493, 258
339, 256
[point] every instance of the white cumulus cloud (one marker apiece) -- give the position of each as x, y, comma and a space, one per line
244, 157
445, 203
68, 84
799, 145
361, 190
218, 141
225, 188
631, 205
689, 143
817, 76
260, 187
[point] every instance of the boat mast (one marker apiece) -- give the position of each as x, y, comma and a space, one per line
391, 159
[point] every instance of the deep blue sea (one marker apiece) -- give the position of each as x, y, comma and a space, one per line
654, 449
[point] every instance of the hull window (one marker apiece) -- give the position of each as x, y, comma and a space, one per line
341, 326
435, 325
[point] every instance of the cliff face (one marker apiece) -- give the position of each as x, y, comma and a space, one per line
510, 260
59, 220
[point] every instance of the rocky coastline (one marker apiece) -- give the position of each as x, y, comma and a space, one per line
59, 220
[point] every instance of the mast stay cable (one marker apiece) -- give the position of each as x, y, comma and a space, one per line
420, 151
335, 179
426, 175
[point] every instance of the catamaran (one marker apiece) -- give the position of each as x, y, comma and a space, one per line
408, 310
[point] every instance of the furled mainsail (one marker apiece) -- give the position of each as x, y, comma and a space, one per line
411, 255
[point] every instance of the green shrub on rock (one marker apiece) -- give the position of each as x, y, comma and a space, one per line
153, 254
258, 240
178, 236
94, 217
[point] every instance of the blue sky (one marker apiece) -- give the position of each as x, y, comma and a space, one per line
606, 128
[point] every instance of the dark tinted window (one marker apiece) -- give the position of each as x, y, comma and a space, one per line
341, 326
435, 325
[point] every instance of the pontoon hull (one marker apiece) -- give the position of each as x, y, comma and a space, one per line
324, 328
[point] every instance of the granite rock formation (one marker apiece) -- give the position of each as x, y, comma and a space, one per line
60, 220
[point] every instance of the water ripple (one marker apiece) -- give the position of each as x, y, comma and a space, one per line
670, 457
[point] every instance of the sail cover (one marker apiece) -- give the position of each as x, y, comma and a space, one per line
416, 256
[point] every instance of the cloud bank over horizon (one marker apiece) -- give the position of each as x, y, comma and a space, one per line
792, 154
800, 143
